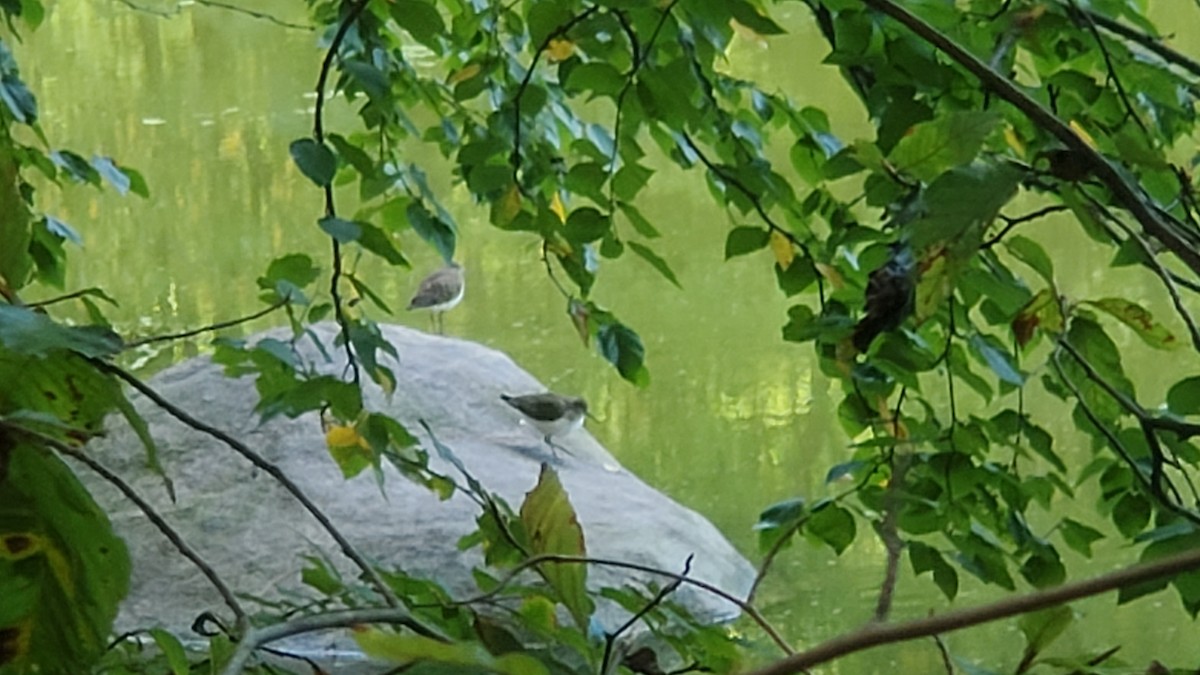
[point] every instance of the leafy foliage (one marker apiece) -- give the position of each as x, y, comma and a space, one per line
899, 253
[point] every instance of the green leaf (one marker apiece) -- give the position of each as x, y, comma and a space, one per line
433, 229
28, 332
997, 358
171, 648
378, 242
779, 520
1044, 568
63, 571
655, 261
1043, 627
110, 172
1140, 320
315, 160
586, 225
343, 231
743, 240
624, 349
638, 221
1184, 397
286, 276
463, 657
372, 80
75, 166
19, 100
421, 19
925, 558
931, 148
749, 16
602, 79
1031, 253
554, 529
1131, 514
833, 525
544, 19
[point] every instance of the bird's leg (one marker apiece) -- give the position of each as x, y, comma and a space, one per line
440, 319
555, 447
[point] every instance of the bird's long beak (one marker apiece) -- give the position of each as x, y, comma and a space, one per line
592, 417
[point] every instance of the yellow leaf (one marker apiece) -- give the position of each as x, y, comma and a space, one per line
559, 50
782, 248
463, 74
1014, 141
506, 207
340, 436
557, 207
836, 280
1081, 133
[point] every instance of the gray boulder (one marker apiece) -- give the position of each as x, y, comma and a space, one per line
252, 532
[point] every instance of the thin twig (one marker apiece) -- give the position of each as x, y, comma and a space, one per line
874, 634
346, 618
257, 460
1125, 194
762, 214
251, 13
945, 652
1156, 266
515, 157
209, 328
1110, 66
171, 14
611, 639
603, 562
62, 298
769, 559
1011, 222
1150, 42
151, 514
638, 56
339, 310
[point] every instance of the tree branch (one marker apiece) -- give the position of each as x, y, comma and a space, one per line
257, 460
339, 311
1125, 194
682, 578
258, 637
153, 516
873, 635
209, 328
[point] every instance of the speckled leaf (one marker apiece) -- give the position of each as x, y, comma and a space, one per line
1140, 320
554, 529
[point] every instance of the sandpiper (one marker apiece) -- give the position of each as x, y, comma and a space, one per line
440, 292
552, 414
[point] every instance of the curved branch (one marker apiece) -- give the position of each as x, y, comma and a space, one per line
681, 578
874, 635
1125, 194
258, 637
257, 460
762, 213
1151, 43
209, 328
339, 310
153, 516
515, 158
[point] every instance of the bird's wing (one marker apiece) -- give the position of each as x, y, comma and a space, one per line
537, 408
436, 288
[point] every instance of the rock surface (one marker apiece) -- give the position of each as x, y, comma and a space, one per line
252, 532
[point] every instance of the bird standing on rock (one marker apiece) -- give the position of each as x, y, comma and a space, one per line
552, 414
440, 292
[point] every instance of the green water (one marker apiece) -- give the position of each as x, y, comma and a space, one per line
204, 103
